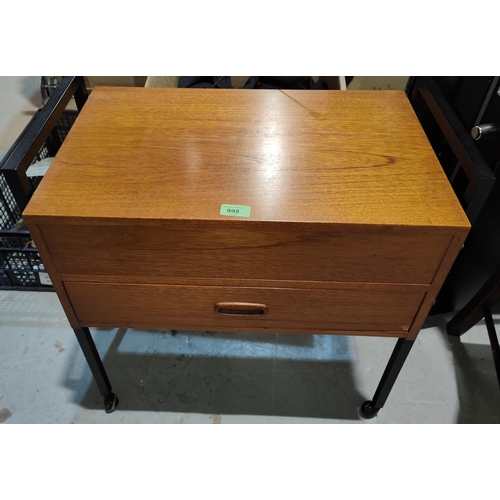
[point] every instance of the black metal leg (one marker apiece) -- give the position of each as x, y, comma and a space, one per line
369, 409
492, 334
96, 367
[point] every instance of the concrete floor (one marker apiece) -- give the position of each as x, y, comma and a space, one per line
193, 377
190, 377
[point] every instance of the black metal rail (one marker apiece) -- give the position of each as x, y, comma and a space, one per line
20, 265
20, 156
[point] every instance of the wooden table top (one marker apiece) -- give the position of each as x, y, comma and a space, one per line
351, 157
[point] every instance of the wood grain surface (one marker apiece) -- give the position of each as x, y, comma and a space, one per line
323, 253
157, 306
353, 225
50, 267
441, 273
293, 156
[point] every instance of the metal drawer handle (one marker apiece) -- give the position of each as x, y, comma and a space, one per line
240, 308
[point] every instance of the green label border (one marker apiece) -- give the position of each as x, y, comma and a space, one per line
235, 210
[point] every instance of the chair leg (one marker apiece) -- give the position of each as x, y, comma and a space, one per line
492, 334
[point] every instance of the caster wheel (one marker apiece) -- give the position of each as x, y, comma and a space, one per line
367, 410
110, 403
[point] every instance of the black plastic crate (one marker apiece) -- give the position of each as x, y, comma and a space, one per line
22, 268
20, 265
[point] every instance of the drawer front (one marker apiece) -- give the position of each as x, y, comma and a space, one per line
284, 253
213, 307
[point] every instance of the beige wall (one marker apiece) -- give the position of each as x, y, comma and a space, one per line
116, 81
378, 83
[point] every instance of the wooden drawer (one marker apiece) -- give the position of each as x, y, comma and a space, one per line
348, 308
229, 249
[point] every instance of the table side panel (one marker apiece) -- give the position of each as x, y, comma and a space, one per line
441, 273
49, 264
